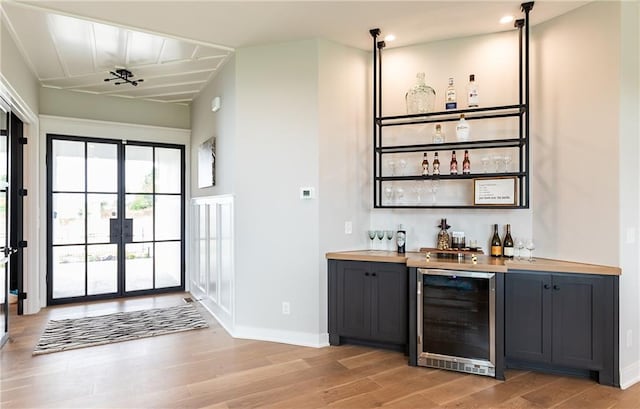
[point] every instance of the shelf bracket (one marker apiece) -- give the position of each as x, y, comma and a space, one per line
528, 6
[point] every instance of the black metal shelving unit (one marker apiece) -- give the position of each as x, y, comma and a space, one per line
519, 111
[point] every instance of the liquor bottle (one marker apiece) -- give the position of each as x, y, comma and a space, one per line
438, 136
425, 165
401, 239
507, 245
451, 96
453, 166
496, 244
436, 164
421, 97
444, 239
472, 92
466, 164
462, 129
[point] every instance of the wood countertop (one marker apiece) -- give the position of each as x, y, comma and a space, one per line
484, 263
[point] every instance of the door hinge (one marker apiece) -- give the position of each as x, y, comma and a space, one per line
22, 192
22, 244
22, 296
22, 141
419, 340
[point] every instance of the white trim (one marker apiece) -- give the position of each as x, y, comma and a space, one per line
110, 123
630, 375
306, 339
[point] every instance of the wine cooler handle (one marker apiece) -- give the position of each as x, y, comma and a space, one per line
373, 274
366, 274
547, 286
555, 287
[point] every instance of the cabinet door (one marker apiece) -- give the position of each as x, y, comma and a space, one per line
528, 317
578, 321
353, 299
389, 303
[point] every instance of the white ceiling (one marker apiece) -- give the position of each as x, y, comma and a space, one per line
193, 38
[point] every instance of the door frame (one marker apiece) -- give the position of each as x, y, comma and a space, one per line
121, 273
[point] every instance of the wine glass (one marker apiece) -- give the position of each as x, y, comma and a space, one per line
389, 234
531, 246
403, 165
519, 246
507, 161
380, 234
388, 193
372, 236
399, 194
391, 164
417, 190
497, 160
435, 184
485, 164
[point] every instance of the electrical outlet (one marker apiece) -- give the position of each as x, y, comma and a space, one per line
348, 227
629, 338
286, 308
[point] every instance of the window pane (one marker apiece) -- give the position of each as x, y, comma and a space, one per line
139, 266
168, 170
100, 209
168, 217
68, 166
3, 219
68, 271
140, 209
102, 167
102, 269
68, 218
168, 264
3, 154
139, 169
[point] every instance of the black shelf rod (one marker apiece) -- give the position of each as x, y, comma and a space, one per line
494, 207
456, 112
506, 143
449, 177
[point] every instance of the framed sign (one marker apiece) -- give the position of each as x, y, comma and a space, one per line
207, 163
494, 191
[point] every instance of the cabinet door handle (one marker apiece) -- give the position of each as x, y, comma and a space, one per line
555, 287
373, 274
547, 286
366, 274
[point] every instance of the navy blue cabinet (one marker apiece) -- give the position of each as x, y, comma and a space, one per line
368, 303
563, 323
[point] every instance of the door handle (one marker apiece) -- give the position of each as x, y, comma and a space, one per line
127, 230
546, 286
9, 251
555, 287
115, 231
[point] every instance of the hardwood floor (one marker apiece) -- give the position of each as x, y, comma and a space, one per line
208, 368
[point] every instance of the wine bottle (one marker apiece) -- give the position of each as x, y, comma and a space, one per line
453, 166
507, 245
451, 102
496, 244
472, 92
401, 239
436, 164
466, 164
425, 165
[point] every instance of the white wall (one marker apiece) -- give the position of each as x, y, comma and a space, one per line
277, 153
221, 124
494, 61
16, 72
57, 102
344, 132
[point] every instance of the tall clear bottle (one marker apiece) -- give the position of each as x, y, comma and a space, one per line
438, 135
472, 92
451, 99
421, 98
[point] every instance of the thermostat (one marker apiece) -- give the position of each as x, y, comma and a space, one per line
307, 193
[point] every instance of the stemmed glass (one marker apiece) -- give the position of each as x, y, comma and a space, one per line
403, 165
519, 246
507, 161
388, 193
380, 234
392, 166
497, 160
399, 194
372, 236
531, 246
389, 234
485, 164
417, 190
435, 184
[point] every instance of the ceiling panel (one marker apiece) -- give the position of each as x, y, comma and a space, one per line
76, 54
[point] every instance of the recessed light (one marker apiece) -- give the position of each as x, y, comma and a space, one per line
389, 37
506, 19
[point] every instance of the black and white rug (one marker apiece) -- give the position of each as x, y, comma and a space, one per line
62, 335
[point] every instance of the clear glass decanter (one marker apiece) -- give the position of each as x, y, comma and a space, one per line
421, 98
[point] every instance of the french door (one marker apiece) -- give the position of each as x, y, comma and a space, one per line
116, 218
5, 250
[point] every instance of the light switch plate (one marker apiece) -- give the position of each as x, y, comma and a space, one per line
307, 193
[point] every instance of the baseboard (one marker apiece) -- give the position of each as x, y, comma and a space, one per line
630, 375
306, 339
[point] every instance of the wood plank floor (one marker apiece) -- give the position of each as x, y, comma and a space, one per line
209, 369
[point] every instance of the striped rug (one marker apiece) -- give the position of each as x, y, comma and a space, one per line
62, 335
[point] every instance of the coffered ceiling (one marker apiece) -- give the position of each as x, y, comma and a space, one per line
177, 46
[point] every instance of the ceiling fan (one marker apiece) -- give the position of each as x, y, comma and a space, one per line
123, 76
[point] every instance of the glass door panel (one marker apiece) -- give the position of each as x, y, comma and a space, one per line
4, 218
116, 224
